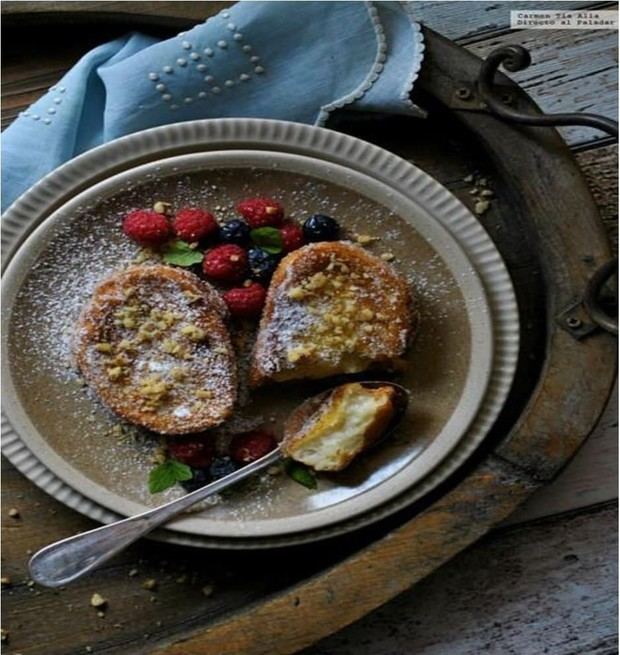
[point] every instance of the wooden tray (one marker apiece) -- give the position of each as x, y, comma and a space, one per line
548, 229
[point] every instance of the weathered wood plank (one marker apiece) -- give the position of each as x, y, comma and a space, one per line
549, 587
365, 580
466, 22
571, 71
600, 166
590, 478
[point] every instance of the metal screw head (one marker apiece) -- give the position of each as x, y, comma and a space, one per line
463, 93
573, 322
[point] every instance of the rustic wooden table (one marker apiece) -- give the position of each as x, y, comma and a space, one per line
545, 582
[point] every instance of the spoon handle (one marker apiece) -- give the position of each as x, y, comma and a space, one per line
69, 559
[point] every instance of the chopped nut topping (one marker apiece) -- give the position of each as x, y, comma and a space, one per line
150, 584
115, 373
367, 314
203, 393
296, 293
178, 373
296, 353
162, 207
387, 257
171, 346
14, 513
154, 389
193, 332
191, 296
103, 347
126, 344
317, 281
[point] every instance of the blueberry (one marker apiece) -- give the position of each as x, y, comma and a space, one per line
321, 228
222, 466
201, 477
235, 231
262, 264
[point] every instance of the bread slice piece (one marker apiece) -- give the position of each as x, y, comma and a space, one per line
347, 422
154, 346
331, 308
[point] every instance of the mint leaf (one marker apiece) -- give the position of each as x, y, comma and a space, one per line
300, 473
179, 253
167, 474
267, 238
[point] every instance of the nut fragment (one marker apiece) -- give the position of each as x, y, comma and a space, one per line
365, 239
162, 207
150, 584
193, 332
115, 373
481, 206
97, 600
296, 293
387, 257
207, 590
14, 513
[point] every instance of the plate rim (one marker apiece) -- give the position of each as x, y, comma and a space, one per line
211, 134
444, 245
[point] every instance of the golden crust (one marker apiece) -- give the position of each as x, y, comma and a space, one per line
307, 435
331, 308
154, 345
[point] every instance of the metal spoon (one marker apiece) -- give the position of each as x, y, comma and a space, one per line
69, 559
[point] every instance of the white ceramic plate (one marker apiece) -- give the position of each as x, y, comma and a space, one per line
387, 496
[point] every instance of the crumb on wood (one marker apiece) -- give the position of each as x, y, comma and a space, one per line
207, 590
97, 600
150, 584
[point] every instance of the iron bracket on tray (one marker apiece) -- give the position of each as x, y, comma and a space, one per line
583, 317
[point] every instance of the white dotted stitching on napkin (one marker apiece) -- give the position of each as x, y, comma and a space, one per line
195, 57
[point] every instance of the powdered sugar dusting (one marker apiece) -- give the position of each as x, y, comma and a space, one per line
118, 456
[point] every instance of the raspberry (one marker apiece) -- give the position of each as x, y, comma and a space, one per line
191, 224
250, 446
195, 451
146, 227
246, 302
226, 263
292, 237
261, 212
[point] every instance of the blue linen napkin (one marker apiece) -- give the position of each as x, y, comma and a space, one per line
293, 61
